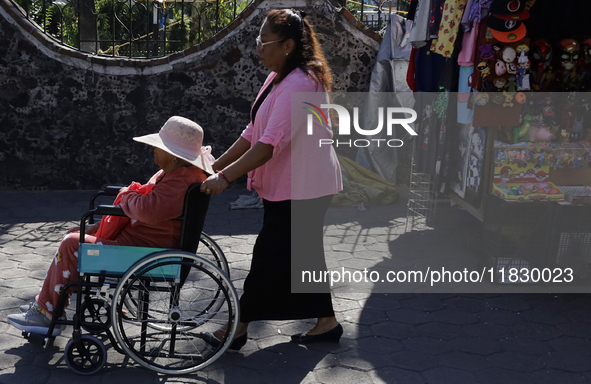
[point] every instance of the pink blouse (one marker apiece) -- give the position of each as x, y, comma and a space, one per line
300, 168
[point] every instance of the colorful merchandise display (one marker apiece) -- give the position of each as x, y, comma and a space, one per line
513, 145
577, 195
517, 71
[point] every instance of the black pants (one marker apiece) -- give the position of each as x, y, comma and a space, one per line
267, 288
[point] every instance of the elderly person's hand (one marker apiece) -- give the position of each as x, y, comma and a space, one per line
214, 185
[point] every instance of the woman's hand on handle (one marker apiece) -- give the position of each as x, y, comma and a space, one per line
253, 158
214, 185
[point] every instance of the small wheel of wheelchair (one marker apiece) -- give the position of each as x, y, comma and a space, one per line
209, 250
89, 361
96, 311
176, 297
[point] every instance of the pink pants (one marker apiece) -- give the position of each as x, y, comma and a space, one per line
63, 269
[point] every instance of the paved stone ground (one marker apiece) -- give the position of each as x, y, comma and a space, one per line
389, 337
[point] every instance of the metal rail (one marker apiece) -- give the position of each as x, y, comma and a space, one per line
375, 14
131, 28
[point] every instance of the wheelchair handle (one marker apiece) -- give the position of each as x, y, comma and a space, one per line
110, 190
113, 210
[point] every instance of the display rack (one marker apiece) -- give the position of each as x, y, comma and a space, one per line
422, 199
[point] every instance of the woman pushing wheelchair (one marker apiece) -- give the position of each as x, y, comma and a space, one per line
183, 161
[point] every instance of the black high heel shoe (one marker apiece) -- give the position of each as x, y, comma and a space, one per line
332, 336
238, 342
212, 340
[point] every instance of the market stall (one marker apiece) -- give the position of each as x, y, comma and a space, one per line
503, 90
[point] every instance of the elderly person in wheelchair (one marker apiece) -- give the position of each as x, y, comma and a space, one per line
178, 151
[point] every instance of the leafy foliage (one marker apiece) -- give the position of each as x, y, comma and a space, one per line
143, 28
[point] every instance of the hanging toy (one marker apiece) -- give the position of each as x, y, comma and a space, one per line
569, 60
509, 55
482, 99
512, 85
520, 98
523, 82
484, 69
487, 52
441, 104
499, 83
522, 49
511, 68
541, 57
508, 99
569, 55
500, 68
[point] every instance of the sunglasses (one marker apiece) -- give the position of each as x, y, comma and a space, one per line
261, 45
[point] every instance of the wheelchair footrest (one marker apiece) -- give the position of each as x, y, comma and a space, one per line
39, 339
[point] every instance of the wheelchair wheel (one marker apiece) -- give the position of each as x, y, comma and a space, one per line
97, 311
176, 297
86, 362
209, 250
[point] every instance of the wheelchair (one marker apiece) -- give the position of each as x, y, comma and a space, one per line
153, 304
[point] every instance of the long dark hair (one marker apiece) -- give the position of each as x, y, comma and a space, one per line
307, 55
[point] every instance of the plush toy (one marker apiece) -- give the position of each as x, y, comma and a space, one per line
567, 79
522, 49
563, 136
509, 55
487, 52
484, 69
541, 57
523, 82
500, 68
481, 98
521, 133
540, 133
508, 99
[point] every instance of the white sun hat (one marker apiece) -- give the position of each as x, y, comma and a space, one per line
182, 138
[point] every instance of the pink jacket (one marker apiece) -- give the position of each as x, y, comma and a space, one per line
151, 215
300, 168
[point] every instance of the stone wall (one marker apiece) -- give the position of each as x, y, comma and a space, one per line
67, 118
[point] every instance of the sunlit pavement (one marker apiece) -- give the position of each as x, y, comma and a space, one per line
389, 337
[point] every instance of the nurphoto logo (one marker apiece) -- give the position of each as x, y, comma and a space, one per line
393, 116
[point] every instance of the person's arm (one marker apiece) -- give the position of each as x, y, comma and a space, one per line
164, 202
253, 158
237, 149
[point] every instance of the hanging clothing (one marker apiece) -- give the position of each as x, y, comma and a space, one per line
410, 73
468, 52
388, 76
453, 11
426, 150
465, 106
419, 34
435, 17
467, 23
435, 72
